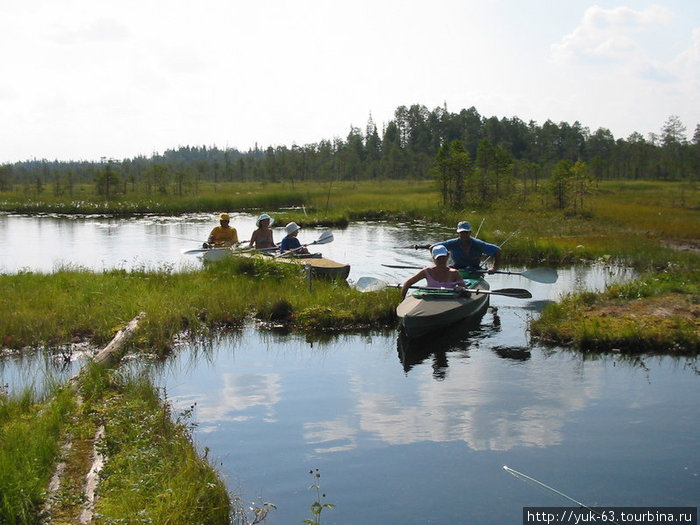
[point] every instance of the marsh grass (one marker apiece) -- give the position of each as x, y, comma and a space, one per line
54, 309
153, 473
657, 313
30, 428
625, 219
640, 224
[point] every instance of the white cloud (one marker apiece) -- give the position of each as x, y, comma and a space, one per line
97, 30
83, 80
610, 34
687, 63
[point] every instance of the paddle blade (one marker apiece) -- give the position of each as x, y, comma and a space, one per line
325, 238
518, 293
370, 284
541, 275
196, 250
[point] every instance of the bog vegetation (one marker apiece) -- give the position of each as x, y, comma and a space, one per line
574, 196
477, 160
153, 473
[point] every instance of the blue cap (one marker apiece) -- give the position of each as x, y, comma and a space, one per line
464, 226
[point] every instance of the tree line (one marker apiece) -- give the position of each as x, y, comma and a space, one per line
463, 151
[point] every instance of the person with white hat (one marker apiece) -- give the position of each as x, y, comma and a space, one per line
466, 251
438, 276
262, 237
222, 235
290, 243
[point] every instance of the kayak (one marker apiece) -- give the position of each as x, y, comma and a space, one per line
216, 254
320, 266
427, 310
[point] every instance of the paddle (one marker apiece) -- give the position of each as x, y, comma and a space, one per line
325, 238
539, 275
233, 250
203, 250
415, 246
371, 284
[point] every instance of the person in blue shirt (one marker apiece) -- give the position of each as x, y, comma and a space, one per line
290, 243
466, 251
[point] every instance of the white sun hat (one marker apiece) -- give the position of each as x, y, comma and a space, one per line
291, 228
262, 218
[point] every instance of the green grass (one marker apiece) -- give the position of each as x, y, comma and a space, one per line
658, 313
30, 429
640, 223
153, 473
627, 220
55, 309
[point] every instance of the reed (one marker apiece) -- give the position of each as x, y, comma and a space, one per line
648, 225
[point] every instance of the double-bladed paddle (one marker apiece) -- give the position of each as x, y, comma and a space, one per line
233, 250
539, 275
371, 284
415, 247
203, 250
324, 238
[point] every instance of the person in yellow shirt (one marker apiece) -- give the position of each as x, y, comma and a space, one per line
222, 235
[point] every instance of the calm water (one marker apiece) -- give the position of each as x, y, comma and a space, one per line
402, 432
426, 443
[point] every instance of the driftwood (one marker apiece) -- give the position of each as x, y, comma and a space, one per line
107, 356
92, 479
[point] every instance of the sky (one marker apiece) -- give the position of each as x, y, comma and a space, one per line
91, 79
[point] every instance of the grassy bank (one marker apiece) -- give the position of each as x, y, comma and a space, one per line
153, 473
652, 226
69, 305
633, 222
30, 429
658, 313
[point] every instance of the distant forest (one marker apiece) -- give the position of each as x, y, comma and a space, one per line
410, 146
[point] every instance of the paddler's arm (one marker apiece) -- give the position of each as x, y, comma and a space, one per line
496, 261
410, 282
210, 239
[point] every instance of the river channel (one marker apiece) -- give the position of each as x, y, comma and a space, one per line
401, 433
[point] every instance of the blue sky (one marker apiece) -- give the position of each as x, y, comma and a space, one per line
84, 79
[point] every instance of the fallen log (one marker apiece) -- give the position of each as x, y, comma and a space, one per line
107, 356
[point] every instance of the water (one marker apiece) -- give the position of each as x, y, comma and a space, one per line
401, 432
428, 444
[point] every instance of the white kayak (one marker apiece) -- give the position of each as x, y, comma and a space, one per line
320, 266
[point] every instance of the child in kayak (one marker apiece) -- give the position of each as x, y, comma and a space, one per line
290, 243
